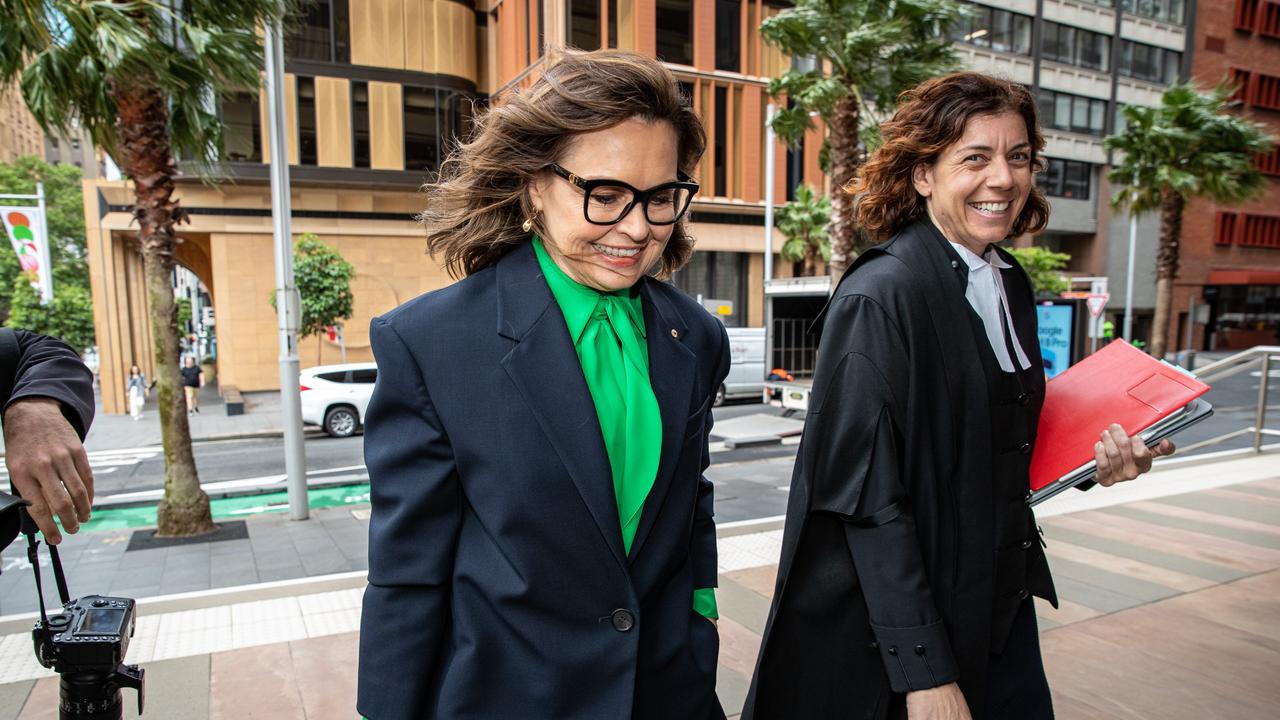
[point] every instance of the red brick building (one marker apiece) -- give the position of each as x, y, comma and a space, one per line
1231, 255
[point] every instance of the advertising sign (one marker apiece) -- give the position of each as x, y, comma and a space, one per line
26, 229
1057, 336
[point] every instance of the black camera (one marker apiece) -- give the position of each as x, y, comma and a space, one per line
86, 642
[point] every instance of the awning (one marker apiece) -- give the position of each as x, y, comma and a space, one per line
1243, 277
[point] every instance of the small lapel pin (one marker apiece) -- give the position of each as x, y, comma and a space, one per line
955, 264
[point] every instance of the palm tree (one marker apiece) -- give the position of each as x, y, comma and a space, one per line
804, 223
141, 76
1184, 148
859, 56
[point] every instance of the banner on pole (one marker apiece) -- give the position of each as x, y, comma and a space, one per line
26, 229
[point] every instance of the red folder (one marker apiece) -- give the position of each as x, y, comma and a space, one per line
1118, 384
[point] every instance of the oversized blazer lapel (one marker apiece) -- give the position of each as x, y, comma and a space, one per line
545, 368
672, 366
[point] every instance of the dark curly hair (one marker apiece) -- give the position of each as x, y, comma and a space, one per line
475, 210
930, 117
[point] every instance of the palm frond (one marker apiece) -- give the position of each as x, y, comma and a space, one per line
73, 55
1190, 144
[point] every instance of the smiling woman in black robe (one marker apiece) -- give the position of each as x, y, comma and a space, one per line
910, 553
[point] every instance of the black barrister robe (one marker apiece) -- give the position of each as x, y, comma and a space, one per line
886, 581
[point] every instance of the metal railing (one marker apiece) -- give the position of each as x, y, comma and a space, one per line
1263, 356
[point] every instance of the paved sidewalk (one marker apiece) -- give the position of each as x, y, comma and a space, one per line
1171, 609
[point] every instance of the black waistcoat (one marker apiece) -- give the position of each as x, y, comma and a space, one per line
1015, 402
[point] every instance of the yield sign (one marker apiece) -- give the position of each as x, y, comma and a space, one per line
1097, 302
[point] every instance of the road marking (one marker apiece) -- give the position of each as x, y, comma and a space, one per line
265, 482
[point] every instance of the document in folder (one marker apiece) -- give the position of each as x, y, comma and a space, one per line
1118, 384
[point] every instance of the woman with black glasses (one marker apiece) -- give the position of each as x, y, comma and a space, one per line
542, 542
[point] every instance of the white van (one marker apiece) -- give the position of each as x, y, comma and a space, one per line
746, 371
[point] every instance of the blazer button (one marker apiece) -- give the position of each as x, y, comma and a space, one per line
1023, 399
674, 334
920, 650
1026, 544
893, 650
1022, 594
622, 620
1025, 448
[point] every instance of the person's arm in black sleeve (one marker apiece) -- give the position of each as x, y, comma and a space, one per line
703, 550
855, 467
413, 531
46, 396
48, 368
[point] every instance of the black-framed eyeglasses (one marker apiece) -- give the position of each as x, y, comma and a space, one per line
605, 202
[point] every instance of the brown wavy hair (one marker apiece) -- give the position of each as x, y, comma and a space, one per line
930, 117
476, 208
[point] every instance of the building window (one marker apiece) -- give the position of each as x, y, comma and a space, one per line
720, 277
320, 31
421, 129
729, 35
1075, 46
584, 24
1268, 163
1224, 230
721, 143
361, 154
1000, 30
307, 145
613, 23
1066, 178
242, 128
1170, 11
1264, 91
1246, 15
675, 31
1073, 113
1261, 231
1150, 63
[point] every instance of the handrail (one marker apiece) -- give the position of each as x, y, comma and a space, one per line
1235, 363
1263, 355
513, 82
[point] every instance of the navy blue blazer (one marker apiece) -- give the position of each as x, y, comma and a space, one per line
498, 585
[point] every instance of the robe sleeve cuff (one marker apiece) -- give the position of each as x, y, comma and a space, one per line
704, 603
917, 658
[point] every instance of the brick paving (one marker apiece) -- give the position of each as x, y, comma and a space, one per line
1171, 609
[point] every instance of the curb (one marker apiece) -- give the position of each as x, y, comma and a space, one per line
216, 597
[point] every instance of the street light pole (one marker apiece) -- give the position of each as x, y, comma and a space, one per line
287, 301
1128, 286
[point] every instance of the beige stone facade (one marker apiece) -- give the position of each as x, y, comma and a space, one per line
19, 133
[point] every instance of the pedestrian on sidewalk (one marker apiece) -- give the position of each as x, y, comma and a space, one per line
192, 381
910, 553
541, 542
137, 391
46, 394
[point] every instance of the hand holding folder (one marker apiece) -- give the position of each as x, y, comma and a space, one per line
1118, 384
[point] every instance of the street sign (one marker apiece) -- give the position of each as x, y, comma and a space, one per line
1097, 302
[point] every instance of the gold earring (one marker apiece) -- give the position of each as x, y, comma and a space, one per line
528, 223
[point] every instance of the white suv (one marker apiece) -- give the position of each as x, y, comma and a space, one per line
335, 396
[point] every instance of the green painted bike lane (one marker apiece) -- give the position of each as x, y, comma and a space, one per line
230, 508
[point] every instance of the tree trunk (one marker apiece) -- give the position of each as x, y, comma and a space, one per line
1171, 205
810, 260
148, 161
843, 141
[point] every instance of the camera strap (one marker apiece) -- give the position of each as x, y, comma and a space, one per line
60, 578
